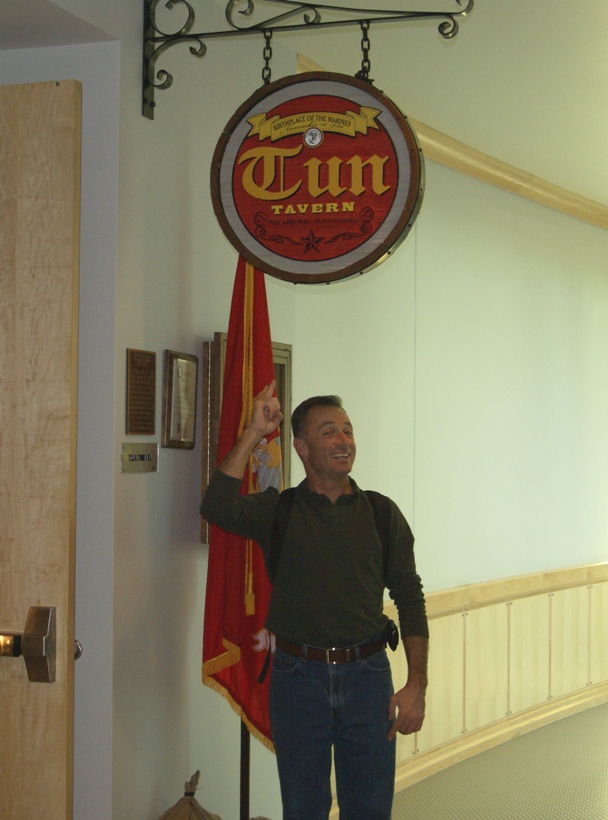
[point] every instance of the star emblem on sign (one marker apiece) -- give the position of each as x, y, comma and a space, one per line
311, 241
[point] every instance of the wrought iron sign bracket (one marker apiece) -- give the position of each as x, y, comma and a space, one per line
243, 19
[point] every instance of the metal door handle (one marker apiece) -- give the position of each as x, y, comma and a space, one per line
37, 644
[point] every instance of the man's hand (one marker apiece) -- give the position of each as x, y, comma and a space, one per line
406, 709
265, 418
266, 415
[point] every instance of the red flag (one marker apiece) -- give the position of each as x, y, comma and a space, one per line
235, 641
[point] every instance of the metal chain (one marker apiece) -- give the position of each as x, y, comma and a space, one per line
365, 47
267, 54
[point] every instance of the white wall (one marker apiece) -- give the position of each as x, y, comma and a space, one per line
472, 363
174, 287
512, 344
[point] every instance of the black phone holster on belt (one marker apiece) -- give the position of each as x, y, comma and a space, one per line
391, 634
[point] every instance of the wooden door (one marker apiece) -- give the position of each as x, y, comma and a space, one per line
39, 221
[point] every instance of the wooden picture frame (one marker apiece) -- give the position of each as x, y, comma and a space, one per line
180, 382
214, 356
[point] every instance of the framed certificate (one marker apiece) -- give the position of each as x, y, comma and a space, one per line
179, 400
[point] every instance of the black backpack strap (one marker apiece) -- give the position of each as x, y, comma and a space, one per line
279, 529
381, 506
280, 521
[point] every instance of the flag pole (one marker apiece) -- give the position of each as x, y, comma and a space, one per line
245, 759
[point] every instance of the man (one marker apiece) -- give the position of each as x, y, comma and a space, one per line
331, 681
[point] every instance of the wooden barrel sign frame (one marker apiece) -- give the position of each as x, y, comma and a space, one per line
317, 177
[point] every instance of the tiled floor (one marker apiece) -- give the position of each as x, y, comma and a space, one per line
559, 772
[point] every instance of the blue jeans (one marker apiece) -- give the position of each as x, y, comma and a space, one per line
314, 706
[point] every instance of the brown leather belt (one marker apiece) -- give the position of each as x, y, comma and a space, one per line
334, 655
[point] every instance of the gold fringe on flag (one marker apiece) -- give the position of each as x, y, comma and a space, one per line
220, 662
213, 684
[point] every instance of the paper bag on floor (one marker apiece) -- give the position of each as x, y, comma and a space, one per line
188, 808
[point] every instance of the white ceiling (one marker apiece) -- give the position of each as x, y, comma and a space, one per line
525, 81
38, 23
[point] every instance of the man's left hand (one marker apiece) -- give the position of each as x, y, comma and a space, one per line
406, 710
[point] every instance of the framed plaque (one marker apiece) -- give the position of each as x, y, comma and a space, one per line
141, 392
317, 177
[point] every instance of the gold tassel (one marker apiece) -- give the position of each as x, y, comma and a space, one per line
249, 593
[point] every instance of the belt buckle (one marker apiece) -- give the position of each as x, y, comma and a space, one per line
347, 652
327, 656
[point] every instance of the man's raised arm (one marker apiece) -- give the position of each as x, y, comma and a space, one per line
265, 419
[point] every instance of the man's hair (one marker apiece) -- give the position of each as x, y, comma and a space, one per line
299, 415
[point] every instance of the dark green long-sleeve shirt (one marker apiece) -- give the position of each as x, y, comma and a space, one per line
329, 587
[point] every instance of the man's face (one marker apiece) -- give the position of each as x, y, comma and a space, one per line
327, 446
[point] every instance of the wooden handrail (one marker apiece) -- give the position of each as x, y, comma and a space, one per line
487, 593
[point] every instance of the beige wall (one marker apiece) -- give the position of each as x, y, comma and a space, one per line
473, 364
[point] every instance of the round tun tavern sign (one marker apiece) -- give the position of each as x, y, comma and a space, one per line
317, 177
